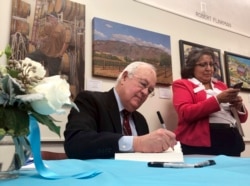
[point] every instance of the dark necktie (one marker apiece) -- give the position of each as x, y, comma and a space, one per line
126, 127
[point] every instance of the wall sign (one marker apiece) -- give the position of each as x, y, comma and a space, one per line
229, 15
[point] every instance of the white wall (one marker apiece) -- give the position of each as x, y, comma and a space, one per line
138, 15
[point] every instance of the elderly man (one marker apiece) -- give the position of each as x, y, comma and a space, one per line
99, 129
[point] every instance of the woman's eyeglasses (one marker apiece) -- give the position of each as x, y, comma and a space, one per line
204, 65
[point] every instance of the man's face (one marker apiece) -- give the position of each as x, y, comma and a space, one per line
137, 87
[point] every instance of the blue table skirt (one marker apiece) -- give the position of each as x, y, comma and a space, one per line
227, 171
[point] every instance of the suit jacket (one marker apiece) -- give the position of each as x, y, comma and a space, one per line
94, 132
193, 111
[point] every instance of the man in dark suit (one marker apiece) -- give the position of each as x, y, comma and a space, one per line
96, 131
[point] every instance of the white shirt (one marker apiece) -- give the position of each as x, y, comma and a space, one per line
222, 116
125, 143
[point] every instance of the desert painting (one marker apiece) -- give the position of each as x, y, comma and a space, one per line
116, 45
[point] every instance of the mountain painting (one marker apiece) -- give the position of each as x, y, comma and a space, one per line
116, 45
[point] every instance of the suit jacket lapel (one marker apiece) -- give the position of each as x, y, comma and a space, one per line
113, 111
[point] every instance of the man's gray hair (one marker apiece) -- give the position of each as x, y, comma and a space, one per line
132, 67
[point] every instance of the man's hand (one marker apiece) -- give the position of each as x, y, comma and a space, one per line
156, 141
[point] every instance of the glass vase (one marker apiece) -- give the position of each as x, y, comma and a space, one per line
14, 152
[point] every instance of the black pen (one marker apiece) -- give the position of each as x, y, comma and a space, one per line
181, 165
162, 123
161, 120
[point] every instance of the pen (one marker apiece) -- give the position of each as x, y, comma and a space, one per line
162, 123
181, 165
161, 120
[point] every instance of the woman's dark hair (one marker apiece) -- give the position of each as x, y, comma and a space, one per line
192, 58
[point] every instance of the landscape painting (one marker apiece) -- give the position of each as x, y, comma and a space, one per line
116, 45
237, 70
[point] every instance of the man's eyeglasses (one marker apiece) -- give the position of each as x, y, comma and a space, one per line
143, 84
203, 65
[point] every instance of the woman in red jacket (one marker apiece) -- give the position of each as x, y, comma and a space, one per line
205, 122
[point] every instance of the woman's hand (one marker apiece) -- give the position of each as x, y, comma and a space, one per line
237, 103
228, 95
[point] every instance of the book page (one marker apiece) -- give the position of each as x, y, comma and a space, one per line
169, 155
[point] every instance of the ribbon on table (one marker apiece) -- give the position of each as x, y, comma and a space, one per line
34, 139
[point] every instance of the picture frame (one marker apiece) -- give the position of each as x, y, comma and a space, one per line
237, 70
30, 32
186, 47
115, 45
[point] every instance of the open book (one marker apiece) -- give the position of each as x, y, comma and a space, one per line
169, 155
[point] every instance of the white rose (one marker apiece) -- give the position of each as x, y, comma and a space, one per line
56, 93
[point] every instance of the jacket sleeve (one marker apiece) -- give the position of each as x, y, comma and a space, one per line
243, 116
191, 106
90, 133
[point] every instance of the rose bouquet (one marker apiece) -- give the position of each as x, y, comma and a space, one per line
25, 91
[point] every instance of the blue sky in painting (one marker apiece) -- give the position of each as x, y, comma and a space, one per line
242, 60
108, 30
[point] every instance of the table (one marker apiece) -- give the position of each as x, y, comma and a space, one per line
227, 171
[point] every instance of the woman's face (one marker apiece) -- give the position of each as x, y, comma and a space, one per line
204, 69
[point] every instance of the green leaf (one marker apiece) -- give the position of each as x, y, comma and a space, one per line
10, 89
13, 73
48, 121
14, 121
8, 51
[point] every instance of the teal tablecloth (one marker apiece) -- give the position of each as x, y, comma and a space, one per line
227, 171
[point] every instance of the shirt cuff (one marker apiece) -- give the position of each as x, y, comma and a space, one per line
243, 112
126, 144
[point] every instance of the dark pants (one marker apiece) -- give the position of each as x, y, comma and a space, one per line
52, 64
224, 141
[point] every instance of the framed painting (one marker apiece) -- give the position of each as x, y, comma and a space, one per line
51, 33
186, 47
116, 45
237, 70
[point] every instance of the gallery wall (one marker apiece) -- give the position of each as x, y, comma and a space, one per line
141, 16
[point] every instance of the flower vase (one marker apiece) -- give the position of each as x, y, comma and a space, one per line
14, 152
